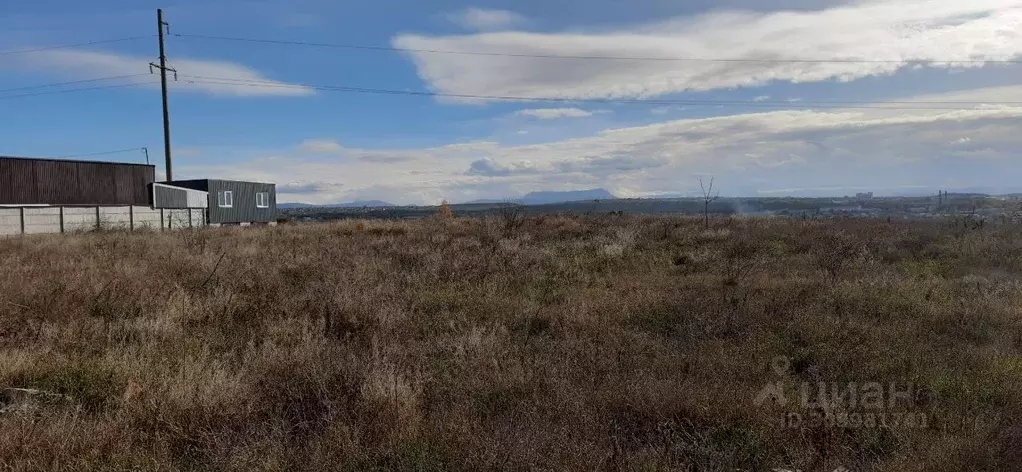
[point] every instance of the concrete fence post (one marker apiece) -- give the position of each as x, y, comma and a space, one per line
131, 217
161, 218
61, 219
21, 213
191, 224
98, 225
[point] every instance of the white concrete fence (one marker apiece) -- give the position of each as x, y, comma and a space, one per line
49, 219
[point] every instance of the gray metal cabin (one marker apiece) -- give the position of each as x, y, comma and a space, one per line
230, 201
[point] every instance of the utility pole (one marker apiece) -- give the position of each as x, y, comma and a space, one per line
160, 25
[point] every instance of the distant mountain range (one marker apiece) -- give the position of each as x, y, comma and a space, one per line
355, 204
544, 198
532, 198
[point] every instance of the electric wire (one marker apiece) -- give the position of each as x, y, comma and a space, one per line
73, 90
103, 153
73, 82
193, 79
593, 57
65, 46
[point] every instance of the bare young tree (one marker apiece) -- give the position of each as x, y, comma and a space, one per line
708, 198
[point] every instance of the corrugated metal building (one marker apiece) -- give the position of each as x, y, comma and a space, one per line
229, 201
55, 182
25, 181
169, 196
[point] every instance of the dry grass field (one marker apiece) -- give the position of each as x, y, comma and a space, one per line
551, 343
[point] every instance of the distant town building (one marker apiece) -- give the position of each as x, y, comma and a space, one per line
864, 196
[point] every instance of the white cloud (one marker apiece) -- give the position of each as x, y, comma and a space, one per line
909, 30
187, 152
666, 110
320, 146
554, 113
308, 188
79, 63
490, 168
481, 19
748, 153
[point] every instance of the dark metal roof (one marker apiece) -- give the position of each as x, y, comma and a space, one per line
193, 181
204, 184
244, 181
76, 161
199, 184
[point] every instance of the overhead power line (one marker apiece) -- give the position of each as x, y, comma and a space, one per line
607, 58
73, 82
750, 104
103, 153
65, 46
73, 90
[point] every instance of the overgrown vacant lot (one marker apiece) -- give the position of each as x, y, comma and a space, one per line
552, 343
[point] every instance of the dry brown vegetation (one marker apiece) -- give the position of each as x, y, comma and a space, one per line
559, 343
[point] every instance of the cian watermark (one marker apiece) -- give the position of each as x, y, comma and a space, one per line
842, 404
856, 420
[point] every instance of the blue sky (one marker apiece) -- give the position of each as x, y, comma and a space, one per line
326, 146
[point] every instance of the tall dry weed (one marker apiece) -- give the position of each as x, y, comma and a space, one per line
514, 342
